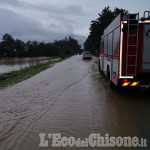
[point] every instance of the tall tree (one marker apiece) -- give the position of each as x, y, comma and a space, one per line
8, 45
17, 48
98, 26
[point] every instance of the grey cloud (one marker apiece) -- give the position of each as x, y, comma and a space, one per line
54, 23
26, 29
12, 2
56, 9
61, 19
11, 21
68, 10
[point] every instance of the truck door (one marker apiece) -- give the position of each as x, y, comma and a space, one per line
146, 49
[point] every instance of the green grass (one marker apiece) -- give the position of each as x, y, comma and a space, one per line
11, 78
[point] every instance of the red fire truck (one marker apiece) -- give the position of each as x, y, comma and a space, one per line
125, 50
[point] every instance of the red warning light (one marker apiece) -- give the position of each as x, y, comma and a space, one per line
125, 80
123, 22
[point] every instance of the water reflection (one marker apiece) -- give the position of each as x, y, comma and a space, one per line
12, 64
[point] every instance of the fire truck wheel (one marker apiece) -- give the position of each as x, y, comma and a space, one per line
110, 83
99, 68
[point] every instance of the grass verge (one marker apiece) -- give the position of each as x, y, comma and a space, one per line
11, 78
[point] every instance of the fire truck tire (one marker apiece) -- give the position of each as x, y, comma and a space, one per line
99, 68
110, 83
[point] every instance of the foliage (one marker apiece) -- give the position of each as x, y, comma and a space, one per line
98, 26
10, 47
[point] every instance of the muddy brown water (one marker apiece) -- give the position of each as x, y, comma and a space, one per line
73, 99
17, 63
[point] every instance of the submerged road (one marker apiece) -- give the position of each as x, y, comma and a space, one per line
73, 99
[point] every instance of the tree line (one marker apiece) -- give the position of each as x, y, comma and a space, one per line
10, 47
98, 26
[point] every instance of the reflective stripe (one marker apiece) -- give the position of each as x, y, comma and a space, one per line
130, 84
126, 84
134, 83
127, 77
146, 21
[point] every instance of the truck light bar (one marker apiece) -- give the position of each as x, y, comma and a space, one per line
121, 41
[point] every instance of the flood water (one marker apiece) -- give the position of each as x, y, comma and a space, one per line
73, 99
13, 64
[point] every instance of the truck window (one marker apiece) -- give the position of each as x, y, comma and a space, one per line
105, 45
110, 43
116, 36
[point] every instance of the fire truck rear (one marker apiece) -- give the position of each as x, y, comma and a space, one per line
125, 50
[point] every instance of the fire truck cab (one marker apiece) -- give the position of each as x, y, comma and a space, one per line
125, 50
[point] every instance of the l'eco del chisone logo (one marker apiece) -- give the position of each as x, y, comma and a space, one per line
148, 34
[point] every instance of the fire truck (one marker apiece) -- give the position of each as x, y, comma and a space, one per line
125, 51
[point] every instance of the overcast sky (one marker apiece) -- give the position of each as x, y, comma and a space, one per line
48, 20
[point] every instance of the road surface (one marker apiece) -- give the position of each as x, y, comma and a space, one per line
73, 99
